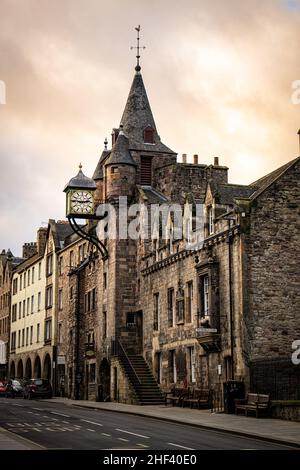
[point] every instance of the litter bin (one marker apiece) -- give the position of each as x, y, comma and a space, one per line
232, 389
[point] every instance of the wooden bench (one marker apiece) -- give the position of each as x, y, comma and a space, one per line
254, 402
199, 397
176, 395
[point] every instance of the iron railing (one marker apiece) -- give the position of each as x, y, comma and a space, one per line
117, 349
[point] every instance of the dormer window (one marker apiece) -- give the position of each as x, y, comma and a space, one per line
149, 135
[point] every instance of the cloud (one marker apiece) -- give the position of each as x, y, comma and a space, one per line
218, 75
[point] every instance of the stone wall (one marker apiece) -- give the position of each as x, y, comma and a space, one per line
121, 390
180, 268
176, 180
272, 253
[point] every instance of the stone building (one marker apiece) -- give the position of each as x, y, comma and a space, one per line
165, 314
33, 321
7, 263
157, 312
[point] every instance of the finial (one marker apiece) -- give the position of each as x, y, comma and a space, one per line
80, 166
105, 143
138, 47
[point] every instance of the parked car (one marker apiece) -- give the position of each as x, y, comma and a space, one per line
14, 388
3, 388
37, 388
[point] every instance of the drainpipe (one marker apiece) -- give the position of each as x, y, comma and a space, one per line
230, 238
78, 374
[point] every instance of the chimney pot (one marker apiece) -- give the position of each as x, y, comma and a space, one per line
216, 161
195, 159
184, 158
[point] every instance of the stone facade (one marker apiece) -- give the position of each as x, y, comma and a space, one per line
198, 316
7, 264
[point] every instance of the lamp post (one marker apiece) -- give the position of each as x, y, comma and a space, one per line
80, 204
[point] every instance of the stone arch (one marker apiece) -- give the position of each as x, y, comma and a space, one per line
12, 370
104, 379
28, 369
47, 367
20, 369
37, 368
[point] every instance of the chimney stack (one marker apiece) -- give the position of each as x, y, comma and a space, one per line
184, 158
195, 159
41, 239
216, 161
29, 249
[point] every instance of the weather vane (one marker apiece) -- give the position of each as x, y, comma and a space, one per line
138, 47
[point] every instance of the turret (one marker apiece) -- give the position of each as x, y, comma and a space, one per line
98, 175
120, 170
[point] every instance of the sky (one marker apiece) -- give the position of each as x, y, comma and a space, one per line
218, 74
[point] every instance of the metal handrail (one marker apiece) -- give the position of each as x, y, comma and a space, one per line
118, 349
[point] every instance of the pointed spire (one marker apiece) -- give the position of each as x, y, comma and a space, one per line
120, 153
137, 117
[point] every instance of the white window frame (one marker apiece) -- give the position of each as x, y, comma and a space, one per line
206, 295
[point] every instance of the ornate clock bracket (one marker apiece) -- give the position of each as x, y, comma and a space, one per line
88, 236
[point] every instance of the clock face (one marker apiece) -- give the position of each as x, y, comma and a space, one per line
82, 202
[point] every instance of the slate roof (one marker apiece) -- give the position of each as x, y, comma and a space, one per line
120, 152
151, 195
81, 181
263, 183
137, 116
61, 230
98, 173
28, 262
226, 193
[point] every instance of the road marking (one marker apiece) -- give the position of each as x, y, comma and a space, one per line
30, 412
38, 409
104, 434
178, 445
133, 433
53, 419
60, 414
36, 429
17, 404
91, 430
143, 445
37, 414
66, 422
45, 416
91, 422
124, 440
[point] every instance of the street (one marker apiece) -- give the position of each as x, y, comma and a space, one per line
59, 426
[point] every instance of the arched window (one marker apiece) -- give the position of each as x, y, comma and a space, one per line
149, 135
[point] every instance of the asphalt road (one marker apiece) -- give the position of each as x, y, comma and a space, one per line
59, 426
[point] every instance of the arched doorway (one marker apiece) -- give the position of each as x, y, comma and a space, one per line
12, 370
28, 369
37, 368
20, 370
47, 367
104, 377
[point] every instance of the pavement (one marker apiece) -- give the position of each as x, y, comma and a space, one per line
274, 430
10, 441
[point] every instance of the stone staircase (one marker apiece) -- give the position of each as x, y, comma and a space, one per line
140, 376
